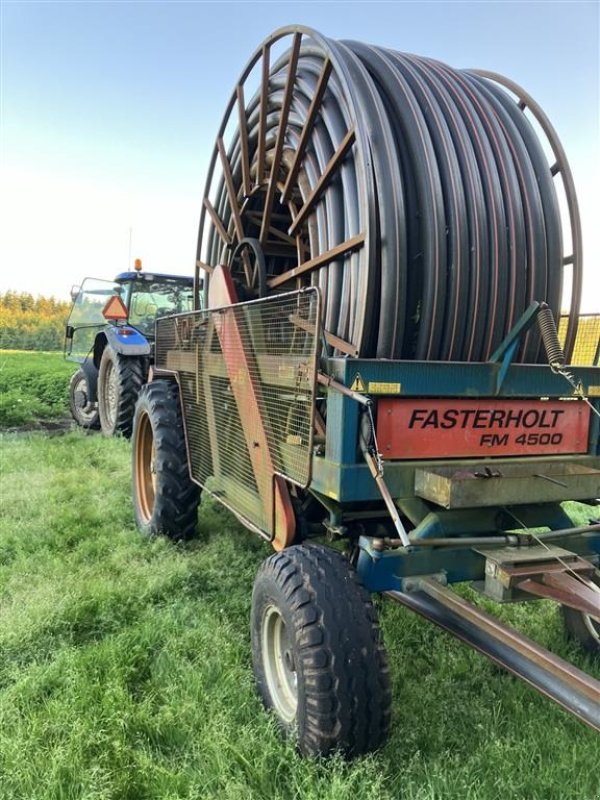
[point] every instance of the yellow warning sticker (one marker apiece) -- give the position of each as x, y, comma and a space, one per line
379, 387
358, 384
594, 391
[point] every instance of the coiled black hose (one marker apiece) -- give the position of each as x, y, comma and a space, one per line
416, 196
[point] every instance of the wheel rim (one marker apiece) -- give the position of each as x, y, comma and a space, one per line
86, 411
592, 623
145, 468
248, 268
110, 394
279, 666
593, 626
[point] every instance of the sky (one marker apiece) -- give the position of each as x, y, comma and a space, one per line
109, 112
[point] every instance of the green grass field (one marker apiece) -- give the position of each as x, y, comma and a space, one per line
33, 387
125, 667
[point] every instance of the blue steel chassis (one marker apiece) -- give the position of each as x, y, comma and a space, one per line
341, 479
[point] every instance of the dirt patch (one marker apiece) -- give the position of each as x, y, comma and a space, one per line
51, 427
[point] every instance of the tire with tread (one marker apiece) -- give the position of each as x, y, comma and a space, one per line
87, 419
582, 628
341, 680
166, 501
129, 375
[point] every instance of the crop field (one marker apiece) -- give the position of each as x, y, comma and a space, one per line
33, 387
125, 670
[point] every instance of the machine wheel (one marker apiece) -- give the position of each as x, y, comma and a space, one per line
583, 628
318, 654
120, 379
165, 498
83, 412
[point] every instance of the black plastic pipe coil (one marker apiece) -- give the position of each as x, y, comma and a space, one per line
443, 176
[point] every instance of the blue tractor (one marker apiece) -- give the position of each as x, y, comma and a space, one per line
110, 334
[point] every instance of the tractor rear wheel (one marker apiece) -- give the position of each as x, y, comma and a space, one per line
583, 628
318, 654
120, 379
165, 497
84, 412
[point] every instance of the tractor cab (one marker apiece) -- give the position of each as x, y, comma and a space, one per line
113, 323
142, 298
148, 297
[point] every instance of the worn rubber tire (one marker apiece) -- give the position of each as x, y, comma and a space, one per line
173, 508
130, 374
88, 420
341, 670
582, 628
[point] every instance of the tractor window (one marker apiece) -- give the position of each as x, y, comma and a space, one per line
86, 314
91, 299
152, 299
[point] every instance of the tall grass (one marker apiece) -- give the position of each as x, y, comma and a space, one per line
125, 666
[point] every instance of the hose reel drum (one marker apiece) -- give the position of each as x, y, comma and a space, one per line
417, 197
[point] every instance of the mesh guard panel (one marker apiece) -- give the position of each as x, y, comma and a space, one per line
247, 374
586, 352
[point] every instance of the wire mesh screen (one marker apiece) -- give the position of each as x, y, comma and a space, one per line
248, 379
586, 352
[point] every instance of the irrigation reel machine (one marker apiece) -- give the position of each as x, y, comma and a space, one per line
378, 366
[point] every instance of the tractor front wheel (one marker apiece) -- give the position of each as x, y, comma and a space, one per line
83, 411
120, 379
165, 497
319, 659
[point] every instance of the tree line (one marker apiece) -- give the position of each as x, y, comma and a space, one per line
32, 323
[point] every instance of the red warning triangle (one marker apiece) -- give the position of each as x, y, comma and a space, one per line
115, 308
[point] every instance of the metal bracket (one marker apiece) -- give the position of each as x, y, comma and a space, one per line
574, 590
419, 583
508, 346
544, 571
